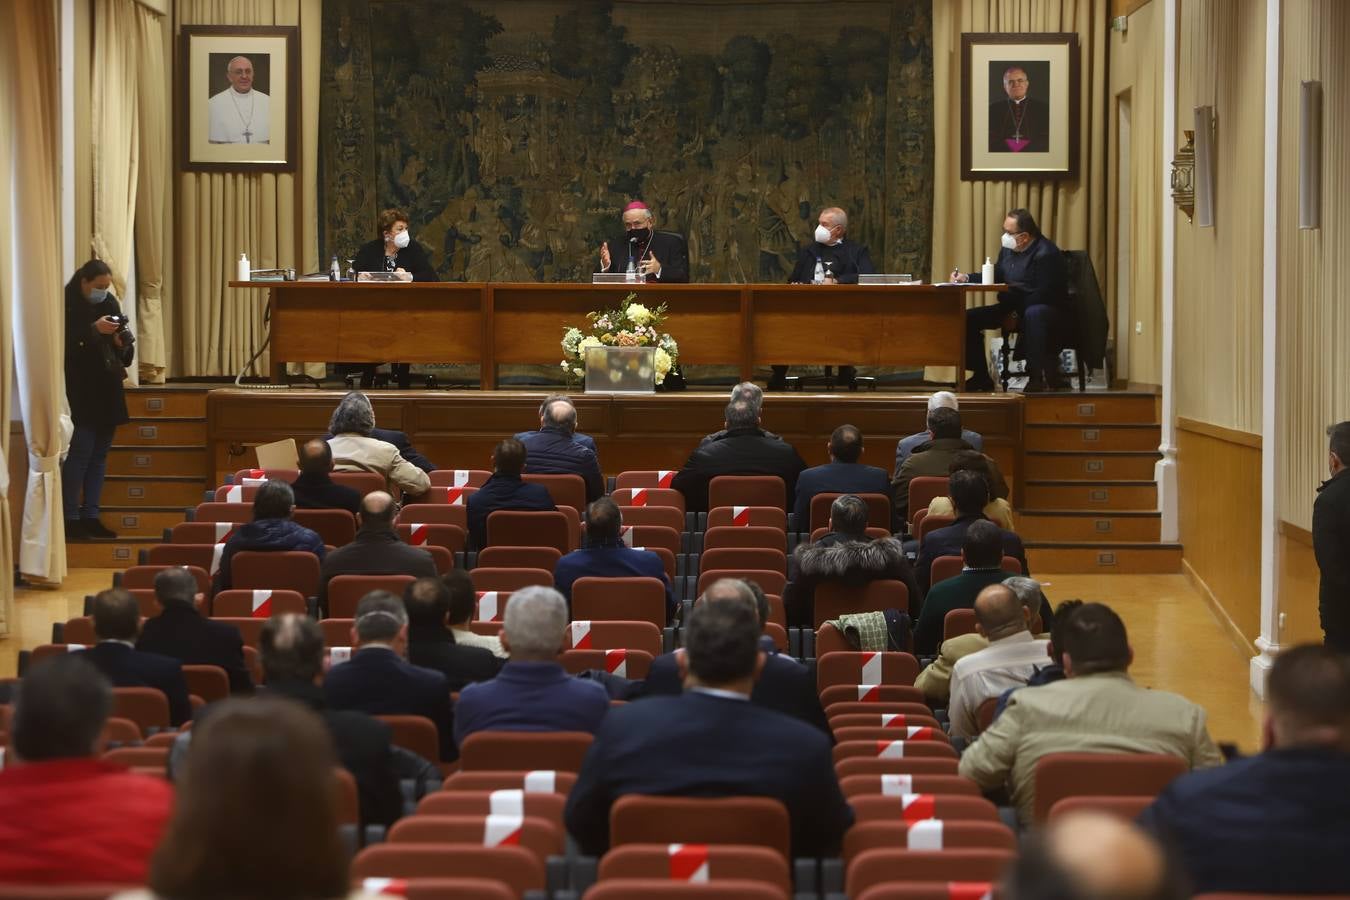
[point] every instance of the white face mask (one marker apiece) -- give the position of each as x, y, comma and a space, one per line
98, 295
822, 234
1009, 241
401, 239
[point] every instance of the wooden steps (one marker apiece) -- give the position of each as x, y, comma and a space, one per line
1110, 408
1090, 495
1109, 465
118, 554
155, 461
1108, 559
1089, 438
1089, 526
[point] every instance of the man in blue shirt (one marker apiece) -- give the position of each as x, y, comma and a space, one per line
843, 474
606, 556
557, 449
504, 490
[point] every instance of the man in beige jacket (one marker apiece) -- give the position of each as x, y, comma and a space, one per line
1097, 708
354, 450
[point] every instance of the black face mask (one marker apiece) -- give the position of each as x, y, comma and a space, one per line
641, 235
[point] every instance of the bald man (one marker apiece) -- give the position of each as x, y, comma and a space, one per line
1094, 856
315, 489
377, 549
239, 114
1009, 661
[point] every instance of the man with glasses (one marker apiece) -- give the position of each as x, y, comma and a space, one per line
1018, 123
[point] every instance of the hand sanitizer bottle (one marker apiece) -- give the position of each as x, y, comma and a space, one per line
987, 272
242, 270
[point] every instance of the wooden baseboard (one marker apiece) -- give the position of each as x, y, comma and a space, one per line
1225, 621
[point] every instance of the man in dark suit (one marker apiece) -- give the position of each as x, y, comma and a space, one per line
292, 658
186, 635
784, 685
554, 449
1331, 541
379, 681
843, 474
658, 255
754, 395
272, 529
711, 741
981, 554
504, 490
578, 437
935, 458
315, 489
533, 691
606, 556
431, 644
744, 450
969, 493
1018, 122
1276, 822
117, 623
377, 549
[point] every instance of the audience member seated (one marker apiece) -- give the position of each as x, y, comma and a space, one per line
65, 816
743, 450
606, 556
997, 510
1054, 670
257, 810
356, 449
186, 635
934, 457
292, 658
936, 400
315, 489
555, 449
403, 444
1093, 856
784, 685
844, 555
843, 474
970, 494
578, 437
1012, 657
1277, 822
505, 490
377, 549
754, 395
532, 692
711, 741
430, 642
463, 604
1097, 708
272, 528
117, 624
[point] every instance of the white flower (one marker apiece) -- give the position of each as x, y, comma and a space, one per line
663, 362
587, 342
580, 373
563, 364
639, 314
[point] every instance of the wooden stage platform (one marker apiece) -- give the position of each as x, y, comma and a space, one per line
458, 429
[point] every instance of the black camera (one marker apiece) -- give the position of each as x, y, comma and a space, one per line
125, 333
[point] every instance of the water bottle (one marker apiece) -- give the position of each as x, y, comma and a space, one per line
334, 270
351, 270
630, 274
819, 276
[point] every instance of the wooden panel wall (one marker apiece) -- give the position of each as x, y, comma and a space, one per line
1298, 587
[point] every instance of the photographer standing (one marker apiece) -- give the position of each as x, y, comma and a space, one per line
98, 348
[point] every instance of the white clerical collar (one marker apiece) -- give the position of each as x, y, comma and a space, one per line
718, 692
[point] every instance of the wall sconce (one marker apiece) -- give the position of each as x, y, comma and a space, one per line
1183, 177
1310, 155
1204, 167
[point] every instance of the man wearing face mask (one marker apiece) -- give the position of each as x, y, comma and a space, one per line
657, 255
828, 259
393, 251
1033, 269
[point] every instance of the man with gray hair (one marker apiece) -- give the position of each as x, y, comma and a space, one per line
754, 395
1011, 658
532, 692
180, 631
555, 449
936, 400
272, 529
660, 255
744, 450
378, 679
357, 449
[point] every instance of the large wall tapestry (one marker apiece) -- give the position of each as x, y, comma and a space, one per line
514, 133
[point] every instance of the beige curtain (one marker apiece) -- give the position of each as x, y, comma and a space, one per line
271, 217
7, 126
117, 143
968, 215
32, 80
153, 98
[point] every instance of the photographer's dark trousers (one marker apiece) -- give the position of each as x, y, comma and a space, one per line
83, 470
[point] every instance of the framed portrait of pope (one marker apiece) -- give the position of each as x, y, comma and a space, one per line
238, 88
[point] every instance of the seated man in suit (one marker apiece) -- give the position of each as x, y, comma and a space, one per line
272, 528
744, 450
784, 685
431, 644
292, 658
711, 741
356, 449
117, 624
606, 556
315, 489
754, 395
982, 565
378, 679
554, 449
1095, 709
377, 549
1276, 822
969, 492
1010, 660
845, 555
402, 443
843, 474
504, 490
186, 635
67, 817
463, 604
660, 255
936, 400
585, 440
935, 458
533, 692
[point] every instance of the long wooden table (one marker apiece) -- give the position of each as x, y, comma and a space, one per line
745, 325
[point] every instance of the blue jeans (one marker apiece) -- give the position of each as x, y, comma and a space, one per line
84, 469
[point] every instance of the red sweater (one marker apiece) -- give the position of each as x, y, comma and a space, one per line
72, 821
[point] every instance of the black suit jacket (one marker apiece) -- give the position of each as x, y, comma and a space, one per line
1331, 546
374, 553
667, 246
742, 451
186, 635
948, 542
128, 667
412, 258
379, 682
699, 745
435, 648
323, 493
844, 260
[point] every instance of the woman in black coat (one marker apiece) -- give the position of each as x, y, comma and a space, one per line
393, 251
98, 350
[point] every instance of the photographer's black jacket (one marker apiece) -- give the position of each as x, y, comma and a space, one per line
94, 366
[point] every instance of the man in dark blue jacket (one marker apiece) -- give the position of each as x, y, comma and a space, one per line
606, 556
969, 492
843, 474
1277, 822
556, 448
271, 529
504, 490
117, 623
186, 635
315, 488
711, 741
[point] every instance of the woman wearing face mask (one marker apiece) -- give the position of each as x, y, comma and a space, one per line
393, 251
96, 356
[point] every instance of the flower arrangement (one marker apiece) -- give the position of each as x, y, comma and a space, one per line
630, 325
